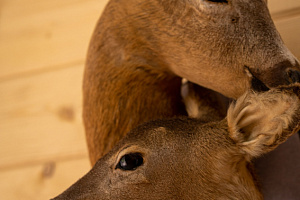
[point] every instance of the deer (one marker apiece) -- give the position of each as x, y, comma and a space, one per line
141, 50
195, 158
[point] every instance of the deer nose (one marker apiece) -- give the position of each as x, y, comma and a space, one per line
293, 75
283, 73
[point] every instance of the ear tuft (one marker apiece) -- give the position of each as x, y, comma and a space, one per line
258, 122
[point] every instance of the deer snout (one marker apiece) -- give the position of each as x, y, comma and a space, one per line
92, 186
294, 75
282, 73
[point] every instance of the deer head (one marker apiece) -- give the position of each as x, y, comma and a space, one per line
214, 37
186, 158
208, 42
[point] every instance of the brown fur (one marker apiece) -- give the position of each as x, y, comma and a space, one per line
140, 50
204, 103
187, 159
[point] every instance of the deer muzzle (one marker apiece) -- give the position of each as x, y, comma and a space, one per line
283, 73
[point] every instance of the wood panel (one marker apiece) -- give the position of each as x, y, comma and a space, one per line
289, 29
280, 6
286, 15
43, 181
40, 117
42, 34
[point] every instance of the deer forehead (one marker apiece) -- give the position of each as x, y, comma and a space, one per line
186, 139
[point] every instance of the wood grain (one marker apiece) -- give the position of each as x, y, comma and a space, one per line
40, 34
42, 181
283, 6
41, 117
289, 29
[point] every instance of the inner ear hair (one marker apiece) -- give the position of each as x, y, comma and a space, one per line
259, 122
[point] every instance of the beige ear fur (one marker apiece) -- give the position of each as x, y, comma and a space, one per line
258, 122
203, 103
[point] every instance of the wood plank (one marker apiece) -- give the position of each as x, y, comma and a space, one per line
43, 181
290, 31
40, 117
38, 34
279, 6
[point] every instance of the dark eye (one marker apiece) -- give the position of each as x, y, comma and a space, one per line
130, 161
218, 1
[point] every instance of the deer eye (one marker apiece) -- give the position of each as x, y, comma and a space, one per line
130, 161
218, 1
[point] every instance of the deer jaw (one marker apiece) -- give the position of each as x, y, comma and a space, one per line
185, 158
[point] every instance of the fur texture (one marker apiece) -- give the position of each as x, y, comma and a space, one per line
187, 158
141, 49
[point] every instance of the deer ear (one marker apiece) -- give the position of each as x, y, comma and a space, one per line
259, 122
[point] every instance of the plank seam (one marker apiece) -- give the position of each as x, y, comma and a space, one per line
286, 14
35, 72
45, 161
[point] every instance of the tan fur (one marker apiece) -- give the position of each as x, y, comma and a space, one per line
140, 50
184, 158
266, 115
204, 103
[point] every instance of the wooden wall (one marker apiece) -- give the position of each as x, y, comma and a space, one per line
42, 51
43, 44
